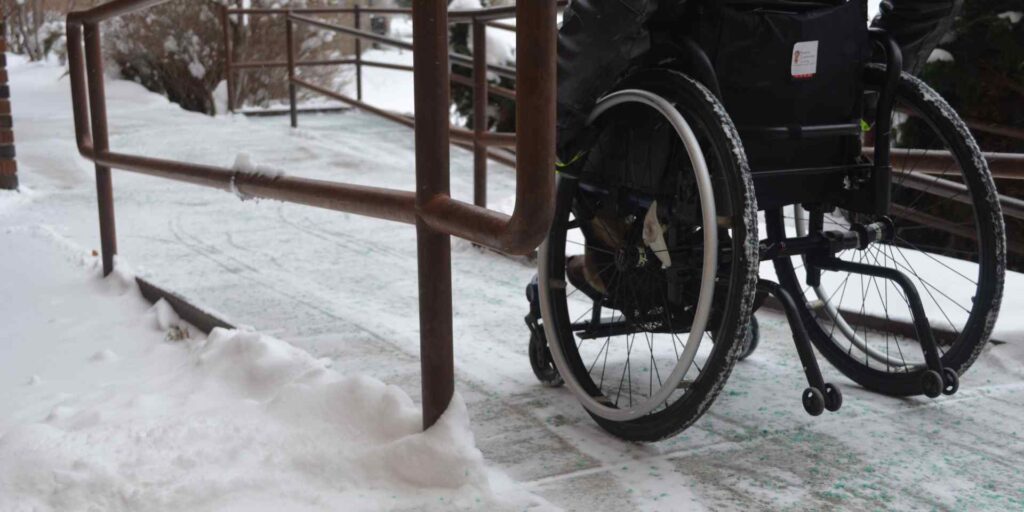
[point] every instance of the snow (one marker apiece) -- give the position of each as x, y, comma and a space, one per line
501, 44
390, 89
1013, 17
226, 421
464, 5
108, 410
873, 7
940, 55
245, 165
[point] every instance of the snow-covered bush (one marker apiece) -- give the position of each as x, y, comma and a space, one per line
175, 49
35, 28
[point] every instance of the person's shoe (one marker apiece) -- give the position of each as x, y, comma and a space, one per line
578, 269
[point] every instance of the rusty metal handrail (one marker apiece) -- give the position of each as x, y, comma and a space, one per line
279, 11
435, 213
479, 140
1011, 206
1009, 166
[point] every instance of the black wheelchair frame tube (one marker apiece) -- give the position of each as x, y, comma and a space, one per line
882, 174
925, 335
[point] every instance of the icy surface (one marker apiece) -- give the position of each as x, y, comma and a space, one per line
343, 289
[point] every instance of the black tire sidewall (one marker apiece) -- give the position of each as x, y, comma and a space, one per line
706, 115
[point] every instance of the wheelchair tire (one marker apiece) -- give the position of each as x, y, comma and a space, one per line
877, 359
752, 339
646, 102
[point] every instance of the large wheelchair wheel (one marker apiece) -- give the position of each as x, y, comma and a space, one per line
662, 211
861, 324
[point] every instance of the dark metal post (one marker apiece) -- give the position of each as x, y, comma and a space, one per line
290, 36
101, 144
8, 166
229, 60
430, 38
359, 55
480, 99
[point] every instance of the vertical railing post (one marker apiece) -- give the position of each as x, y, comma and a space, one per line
290, 36
480, 100
8, 165
359, 55
229, 58
101, 144
430, 59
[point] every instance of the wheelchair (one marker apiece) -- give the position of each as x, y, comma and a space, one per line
801, 129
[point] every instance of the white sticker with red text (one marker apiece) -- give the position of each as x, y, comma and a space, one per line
805, 59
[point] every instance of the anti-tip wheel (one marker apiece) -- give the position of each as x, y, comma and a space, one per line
951, 381
542, 364
833, 397
931, 384
814, 401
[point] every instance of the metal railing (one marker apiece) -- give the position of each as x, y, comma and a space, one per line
430, 208
479, 140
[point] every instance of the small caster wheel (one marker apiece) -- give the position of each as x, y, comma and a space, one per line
814, 401
931, 384
751, 340
833, 397
951, 381
543, 366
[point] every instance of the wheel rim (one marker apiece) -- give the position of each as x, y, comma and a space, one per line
709, 268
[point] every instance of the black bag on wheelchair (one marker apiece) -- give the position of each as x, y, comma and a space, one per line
790, 76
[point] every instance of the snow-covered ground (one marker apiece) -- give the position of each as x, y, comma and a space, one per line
124, 414
111, 404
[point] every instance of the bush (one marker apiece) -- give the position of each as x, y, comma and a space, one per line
35, 28
175, 49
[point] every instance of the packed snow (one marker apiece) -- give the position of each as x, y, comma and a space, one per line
112, 404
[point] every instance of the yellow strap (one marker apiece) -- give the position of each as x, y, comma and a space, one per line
560, 165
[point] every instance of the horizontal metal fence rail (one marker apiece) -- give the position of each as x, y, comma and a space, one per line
479, 140
431, 208
484, 144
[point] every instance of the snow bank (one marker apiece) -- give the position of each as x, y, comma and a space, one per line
111, 404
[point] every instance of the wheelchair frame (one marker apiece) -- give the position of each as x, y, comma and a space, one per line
820, 247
